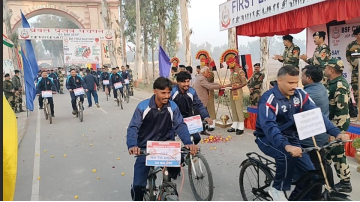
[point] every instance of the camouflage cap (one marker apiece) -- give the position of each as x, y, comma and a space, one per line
336, 63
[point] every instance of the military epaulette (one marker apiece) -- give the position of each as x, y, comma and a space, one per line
340, 84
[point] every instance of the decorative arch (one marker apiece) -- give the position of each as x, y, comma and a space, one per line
51, 11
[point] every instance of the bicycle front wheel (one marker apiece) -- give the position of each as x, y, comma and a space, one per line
150, 191
45, 111
48, 111
80, 111
200, 177
254, 182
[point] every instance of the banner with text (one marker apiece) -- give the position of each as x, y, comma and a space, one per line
82, 50
238, 12
339, 38
59, 34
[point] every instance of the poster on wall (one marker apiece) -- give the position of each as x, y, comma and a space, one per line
8, 67
340, 36
82, 50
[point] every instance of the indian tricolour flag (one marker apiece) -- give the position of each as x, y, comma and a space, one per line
7, 42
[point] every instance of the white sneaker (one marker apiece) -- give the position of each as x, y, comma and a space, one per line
115, 99
277, 195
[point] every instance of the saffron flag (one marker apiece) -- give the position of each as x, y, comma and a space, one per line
30, 50
164, 63
10, 150
246, 63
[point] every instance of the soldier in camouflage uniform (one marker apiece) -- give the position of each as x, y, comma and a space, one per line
321, 55
131, 80
9, 91
18, 91
291, 53
354, 47
339, 96
255, 84
61, 80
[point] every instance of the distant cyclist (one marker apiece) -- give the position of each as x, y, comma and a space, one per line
73, 82
125, 75
105, 75
115, 77
45, 83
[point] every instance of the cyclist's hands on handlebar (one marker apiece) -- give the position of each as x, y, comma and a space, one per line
343, 137
193, 148
294, 151
134, 151
209, 121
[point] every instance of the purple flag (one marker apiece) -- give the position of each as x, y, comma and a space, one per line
164, 63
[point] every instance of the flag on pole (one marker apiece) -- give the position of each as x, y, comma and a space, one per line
164, 63
29, 83
246, 63
7, 42
30, 50
10, 150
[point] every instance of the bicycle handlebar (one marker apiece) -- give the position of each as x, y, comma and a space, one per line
184, 150
330, 144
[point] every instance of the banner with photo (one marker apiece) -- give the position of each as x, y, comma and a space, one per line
339, 38
82, 50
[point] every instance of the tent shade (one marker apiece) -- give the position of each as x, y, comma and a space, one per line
295, 21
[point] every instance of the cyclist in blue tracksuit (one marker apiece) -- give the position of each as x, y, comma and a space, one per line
75, 81
105, 75
125, 75
276, 132
155, 119
115, 77
188, 101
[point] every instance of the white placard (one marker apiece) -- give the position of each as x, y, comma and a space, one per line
47, 93
238, 12
59, 34
309, 123
82, 50
79, 91
194, 124
166, 153
118, 85
339, 38
106, 82
127, 81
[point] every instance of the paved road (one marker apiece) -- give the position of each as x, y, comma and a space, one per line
97, 143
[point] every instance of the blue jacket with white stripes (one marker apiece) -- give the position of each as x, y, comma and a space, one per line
275, 120
188, 102
152, 124
45, 85
75, 82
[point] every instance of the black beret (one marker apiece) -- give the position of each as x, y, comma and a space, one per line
16, 71
113, 68
198, 67
320, 33
258, 64
357, 31
7, 75
182, 66
288, 37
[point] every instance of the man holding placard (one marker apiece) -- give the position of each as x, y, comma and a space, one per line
351, 50
276, 131
77, 87
116, 82
339, 97
188, 101
155, 119
46, 83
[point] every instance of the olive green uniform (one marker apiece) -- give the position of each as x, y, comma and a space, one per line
237, 78
18, 93
255, 84
322, 54
211, 103
354, 47
10, 96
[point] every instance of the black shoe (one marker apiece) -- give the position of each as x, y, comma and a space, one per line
343, 186
210, 129
52, 115
231, 130
239, 132
89, 106
204, 133
74, 112
21, 110
41, 108
61, 92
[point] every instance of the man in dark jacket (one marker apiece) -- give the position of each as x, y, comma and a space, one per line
74, 81
115, 77
45, 83
55, 78
105, 77
125, 75
155, 119
18, 91
91, 82
9, 91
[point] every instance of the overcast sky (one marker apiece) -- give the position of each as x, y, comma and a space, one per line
204, 20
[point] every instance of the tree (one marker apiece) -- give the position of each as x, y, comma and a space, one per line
186, 32
172, 28
6, 19
264, 58
106, 18
122, 30
138, 65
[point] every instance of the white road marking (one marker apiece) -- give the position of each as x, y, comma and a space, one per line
136, 98
35, 191
105, 112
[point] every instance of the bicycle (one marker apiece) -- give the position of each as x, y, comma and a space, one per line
80, 109
267, 168
197, 175
126, 94
117, 87
167, 191
47, 109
